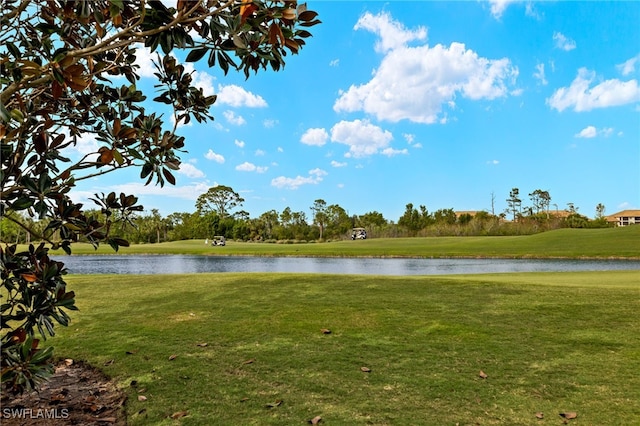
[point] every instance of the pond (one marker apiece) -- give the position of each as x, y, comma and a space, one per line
182, 264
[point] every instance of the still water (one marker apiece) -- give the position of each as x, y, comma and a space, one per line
182, 264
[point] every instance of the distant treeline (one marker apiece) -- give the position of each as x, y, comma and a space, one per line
326, 222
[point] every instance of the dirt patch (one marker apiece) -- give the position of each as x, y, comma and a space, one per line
77, 394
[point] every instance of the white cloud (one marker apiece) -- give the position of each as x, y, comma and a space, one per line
269, 123
239, 143
607, 131
234, 119
334, 63
591, 132
362, 137
315, 137
493, 162
144, 60
390, 152
393, 34
531, 11
314, 178
587, 132
409, 138
249, 167
335, 163
203, 81
259, 153
237, 96
539, 74
210, 155
563, 42
628, 66
499, 6
85, 144
415, 83
607, 93
190, 171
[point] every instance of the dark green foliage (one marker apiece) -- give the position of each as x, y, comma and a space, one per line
56, 89
36, 299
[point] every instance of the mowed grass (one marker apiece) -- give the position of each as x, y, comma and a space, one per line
621, 242
548, 342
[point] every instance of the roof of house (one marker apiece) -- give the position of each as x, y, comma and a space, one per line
469, 212
624, 213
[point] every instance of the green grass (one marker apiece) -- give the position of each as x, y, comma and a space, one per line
563, 243
549, 342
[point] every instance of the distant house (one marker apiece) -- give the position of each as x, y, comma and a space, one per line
471, 213
625, 218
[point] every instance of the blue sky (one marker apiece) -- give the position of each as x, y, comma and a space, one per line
442, 104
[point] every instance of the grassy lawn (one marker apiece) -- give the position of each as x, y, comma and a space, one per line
549, 342
565, 243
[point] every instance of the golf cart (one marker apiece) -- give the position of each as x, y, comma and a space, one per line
218, 240
358, 234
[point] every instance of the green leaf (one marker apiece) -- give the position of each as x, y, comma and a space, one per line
4, 113
196, 54
22, 203
223, 63
170, 178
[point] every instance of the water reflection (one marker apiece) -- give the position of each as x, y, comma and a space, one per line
181, 264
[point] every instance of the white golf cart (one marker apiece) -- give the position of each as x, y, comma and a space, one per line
359, 234
218, 240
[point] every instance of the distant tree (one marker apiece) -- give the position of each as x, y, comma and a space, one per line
465, 218
414, 220
338, 221
67, 73
268, 221
514, 203
320, 215
445, 216
220, 199
493, 203
372, 220
540, 200
299, 226
600, 209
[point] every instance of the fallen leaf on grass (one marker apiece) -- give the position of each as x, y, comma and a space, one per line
142, 398
365, 369
57, 398
107, 363
325, 331
275, 404
483, 375
68, 362
135, 351
245, 399
316, 420
249, 361
540, 415
179, 415
202, 345
569, 415
172, 357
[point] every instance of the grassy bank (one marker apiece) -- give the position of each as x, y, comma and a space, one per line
563, 243
241, 349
